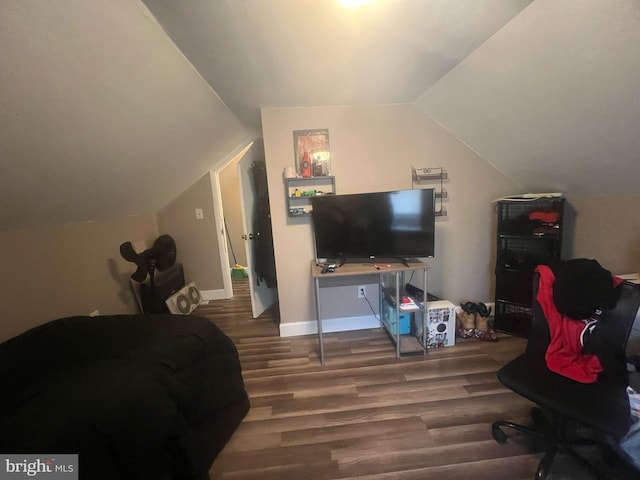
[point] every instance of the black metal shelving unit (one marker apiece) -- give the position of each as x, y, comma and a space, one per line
529, 234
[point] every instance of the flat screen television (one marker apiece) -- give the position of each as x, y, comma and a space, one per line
370, 226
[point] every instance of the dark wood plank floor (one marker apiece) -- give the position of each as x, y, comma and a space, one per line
366, 414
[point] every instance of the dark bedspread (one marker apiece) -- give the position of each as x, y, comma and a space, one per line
135, 396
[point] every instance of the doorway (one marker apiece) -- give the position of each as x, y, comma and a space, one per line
244, 226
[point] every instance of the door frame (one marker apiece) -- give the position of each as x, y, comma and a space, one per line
218, 215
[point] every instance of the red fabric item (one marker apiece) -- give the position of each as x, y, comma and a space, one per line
564, 354
546, 217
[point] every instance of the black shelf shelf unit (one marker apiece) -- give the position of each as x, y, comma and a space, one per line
529, 234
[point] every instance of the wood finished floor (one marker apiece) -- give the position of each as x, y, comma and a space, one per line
366, 414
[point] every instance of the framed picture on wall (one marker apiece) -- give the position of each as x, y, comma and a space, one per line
312, 154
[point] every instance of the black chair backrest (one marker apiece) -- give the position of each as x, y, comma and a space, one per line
539, 336
633, 344
610, 342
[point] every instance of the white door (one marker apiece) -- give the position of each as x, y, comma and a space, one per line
262, 296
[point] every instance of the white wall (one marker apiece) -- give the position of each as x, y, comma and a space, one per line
63, 270
373, 149
196, 239
606, 228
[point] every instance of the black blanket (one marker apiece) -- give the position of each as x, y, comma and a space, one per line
135, 396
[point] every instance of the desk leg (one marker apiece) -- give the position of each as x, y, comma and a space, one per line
397, 312
317, 285
425, 313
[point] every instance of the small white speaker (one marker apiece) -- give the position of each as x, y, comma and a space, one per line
185, 300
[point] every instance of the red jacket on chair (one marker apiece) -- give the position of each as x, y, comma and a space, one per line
564, 354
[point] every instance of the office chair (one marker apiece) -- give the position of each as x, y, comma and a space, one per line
564, 405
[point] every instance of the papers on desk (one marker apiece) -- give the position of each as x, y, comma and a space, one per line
407, 304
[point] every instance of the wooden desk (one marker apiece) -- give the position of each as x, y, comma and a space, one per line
631, 277
355, 270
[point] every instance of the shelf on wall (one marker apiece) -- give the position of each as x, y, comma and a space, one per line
300, 206
430, 174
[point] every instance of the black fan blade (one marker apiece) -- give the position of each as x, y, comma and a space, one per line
140, 274
164, 252
128, 253
142, 260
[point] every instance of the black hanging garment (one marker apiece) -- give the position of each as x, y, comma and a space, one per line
263, 257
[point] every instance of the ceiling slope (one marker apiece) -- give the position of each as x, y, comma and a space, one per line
299, 53
101, 116
552, 100
113, 108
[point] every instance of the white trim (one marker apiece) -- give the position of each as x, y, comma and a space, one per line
218, 212
213, 294
329, 325
221, 233
342, 324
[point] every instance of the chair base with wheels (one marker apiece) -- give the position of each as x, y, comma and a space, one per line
556, 440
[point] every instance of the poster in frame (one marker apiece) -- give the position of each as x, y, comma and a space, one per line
312, 154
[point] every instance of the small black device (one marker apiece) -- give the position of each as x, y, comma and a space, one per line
328, 268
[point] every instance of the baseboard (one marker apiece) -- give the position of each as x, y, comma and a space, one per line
329, 325
343, 324
213, 294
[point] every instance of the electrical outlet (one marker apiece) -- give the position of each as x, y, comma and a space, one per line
362, 291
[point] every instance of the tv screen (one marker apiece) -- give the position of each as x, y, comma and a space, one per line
381, 225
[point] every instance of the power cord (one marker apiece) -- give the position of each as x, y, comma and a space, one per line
370, 306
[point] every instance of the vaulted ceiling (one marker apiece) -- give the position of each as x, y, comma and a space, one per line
112, 108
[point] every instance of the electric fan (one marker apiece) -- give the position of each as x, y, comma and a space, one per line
161, 256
